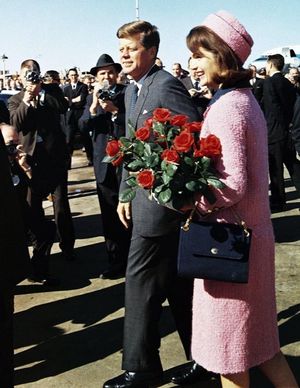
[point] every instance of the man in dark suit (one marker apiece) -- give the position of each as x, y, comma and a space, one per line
14, 262
257, 85
200, 96
104, 116
151, 275
35, 113
76, 93
279, 97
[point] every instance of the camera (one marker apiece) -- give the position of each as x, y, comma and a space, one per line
11, 148
33, 77
105, 93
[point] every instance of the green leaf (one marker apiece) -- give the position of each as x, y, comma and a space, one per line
188, 161
152, 160
126, 142
164, 196
192, 186
108, 159
135, 165
205, 162
147, 149
139, 148
159, 188
131, 181
127, 195
158, 127
216, 183
131, 130
166, 178
171, 169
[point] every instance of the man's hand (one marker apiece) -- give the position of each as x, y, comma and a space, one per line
76, 99
124, 213
108, 106
31, 91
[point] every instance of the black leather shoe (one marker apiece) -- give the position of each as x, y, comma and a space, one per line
191, 374
135, 380
112, 273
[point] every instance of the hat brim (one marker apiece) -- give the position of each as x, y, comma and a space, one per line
95, 69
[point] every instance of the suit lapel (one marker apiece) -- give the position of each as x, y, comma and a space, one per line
142, 96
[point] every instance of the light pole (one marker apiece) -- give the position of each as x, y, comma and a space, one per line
4, 57
137, 10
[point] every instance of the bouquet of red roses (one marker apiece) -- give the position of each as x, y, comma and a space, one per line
168, 157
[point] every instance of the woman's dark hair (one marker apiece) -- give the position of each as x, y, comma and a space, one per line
232, 71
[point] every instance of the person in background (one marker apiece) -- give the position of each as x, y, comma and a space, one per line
76, 93
294, 77
104, 116
279, 97
178, 71
201, 96
257, 84
159, 63
151, 275
35, 112
14, 262
235, 325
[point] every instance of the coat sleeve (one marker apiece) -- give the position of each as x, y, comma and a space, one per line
296, 126
22, 116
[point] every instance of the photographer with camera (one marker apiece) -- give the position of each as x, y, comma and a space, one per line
104, 116
35, 113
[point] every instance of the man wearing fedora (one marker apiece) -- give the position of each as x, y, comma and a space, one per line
104, 116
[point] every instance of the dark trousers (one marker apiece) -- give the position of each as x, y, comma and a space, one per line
6, 339
151, 278
63, 216
72, 127
117, 238
282, 153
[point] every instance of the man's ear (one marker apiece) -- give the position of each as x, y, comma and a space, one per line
153, 52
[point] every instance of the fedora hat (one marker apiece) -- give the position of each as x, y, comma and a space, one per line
105, 60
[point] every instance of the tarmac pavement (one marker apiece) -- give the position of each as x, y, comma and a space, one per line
71, 336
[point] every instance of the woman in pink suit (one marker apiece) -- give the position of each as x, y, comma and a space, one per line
235, 325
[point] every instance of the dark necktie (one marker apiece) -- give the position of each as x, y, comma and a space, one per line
197, 85
134, 97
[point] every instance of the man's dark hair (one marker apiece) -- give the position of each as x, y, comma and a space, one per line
277, 60
149, 33
73, 69
30, 63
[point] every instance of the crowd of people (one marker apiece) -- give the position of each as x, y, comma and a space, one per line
255, 114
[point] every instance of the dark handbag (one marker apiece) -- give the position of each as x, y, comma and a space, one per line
214, 250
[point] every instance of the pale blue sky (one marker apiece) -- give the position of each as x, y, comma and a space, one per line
65, 33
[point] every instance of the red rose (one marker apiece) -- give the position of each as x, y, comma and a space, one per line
118, 161
145, 179
142, 133
210, 146
161, 115
112, 147
148, 123
178, 120
183, 141
170, 156
194, 126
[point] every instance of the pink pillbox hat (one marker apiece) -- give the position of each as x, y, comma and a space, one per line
231, 31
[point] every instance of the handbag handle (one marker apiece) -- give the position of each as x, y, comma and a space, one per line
186, 226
